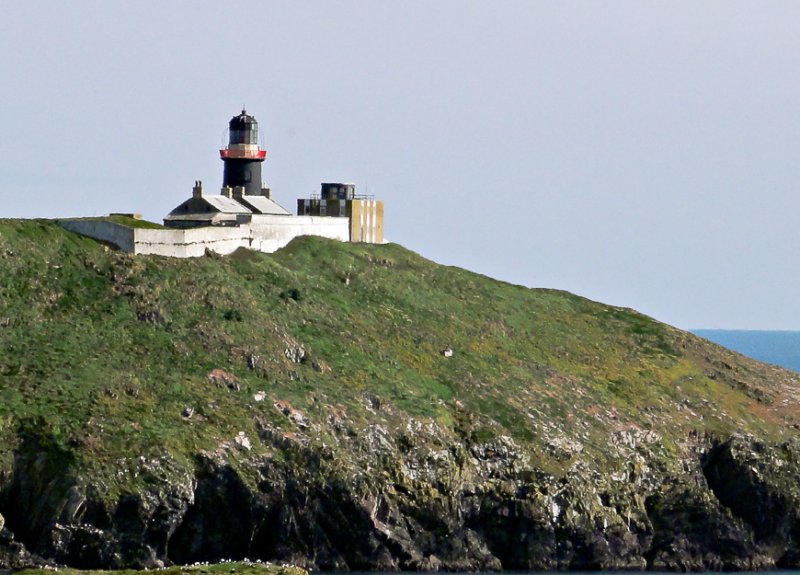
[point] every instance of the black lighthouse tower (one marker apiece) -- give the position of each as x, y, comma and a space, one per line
242, 156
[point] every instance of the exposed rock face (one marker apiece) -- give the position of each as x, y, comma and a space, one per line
157, 411
419, 499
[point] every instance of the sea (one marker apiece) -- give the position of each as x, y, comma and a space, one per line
777, 347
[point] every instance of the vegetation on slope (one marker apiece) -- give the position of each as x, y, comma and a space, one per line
122, 369
110, 352
126, 220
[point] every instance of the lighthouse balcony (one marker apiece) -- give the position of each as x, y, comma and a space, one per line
242, 154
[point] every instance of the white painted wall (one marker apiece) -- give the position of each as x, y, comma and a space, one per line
263, 233
120, 236
190, 243
271, 233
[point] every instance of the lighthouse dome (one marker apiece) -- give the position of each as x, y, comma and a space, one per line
243, 129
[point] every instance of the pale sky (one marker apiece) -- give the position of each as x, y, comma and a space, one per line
643, 154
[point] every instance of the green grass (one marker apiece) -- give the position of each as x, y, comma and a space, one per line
101, 351
126, 221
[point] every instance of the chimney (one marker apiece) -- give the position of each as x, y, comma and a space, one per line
226, 191
266, 192
197, 190
238, 192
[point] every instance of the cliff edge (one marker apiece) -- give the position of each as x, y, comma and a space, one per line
346, 406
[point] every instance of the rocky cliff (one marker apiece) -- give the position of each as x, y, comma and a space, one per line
301, 407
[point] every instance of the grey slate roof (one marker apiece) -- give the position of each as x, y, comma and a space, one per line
192, 217
264, 205
222, 210
204, 205
227, 205
207, 211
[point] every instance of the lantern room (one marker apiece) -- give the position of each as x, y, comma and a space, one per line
243, 129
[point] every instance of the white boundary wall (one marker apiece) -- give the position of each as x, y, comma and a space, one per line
190, 243
263, 233
270, 233
120, 236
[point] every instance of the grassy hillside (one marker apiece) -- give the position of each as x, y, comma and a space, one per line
111, 353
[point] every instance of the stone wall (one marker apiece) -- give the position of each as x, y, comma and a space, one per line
263, 233
120, 236
270, 233
191, 243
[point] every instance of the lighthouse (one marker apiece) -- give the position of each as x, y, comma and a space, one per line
242, 156
262, 223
